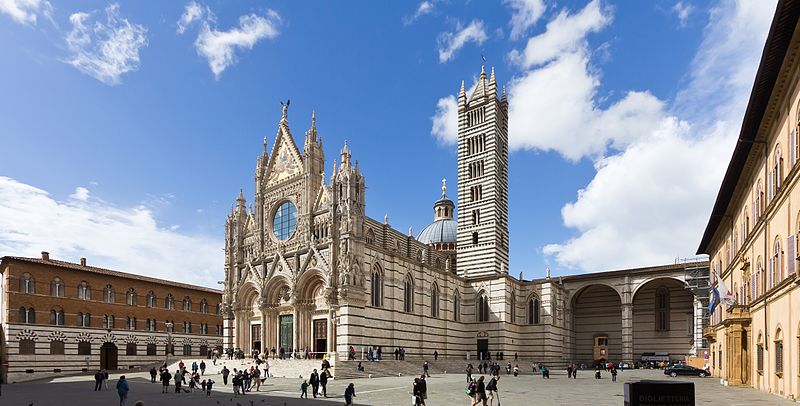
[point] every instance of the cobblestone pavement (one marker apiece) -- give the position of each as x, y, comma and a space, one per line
442, 390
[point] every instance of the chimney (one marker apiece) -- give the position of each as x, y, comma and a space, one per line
83, 261
45, 255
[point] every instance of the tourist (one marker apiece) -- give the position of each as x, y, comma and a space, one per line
256, 376
105, 379
508, 368
480, 368
480, 392
314, 381
352, 353
435, 355
209, 384
178, 380
122, 390
396, 354
516, 369
304, 390
423, 389
515, 356
181, 365
360, 367
492, 389
471, 389
575, 372
192, 383
613, 373
380, 353
98, 380
425, 369
266, 368
194, 367
323, 382
597, 372
545, 372
349, 394
246, 380
202, 367
153, 375
415, 392
569, 371
237, 382
469, 373
225, 373
165, 378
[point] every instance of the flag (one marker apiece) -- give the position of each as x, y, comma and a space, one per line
713, 300
725, 295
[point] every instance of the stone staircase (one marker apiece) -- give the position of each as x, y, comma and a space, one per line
413, 367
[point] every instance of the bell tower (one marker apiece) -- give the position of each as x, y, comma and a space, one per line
482, 180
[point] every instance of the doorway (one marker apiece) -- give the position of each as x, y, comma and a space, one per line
108, 357
285, 332
320, 337
483, 348
255, 337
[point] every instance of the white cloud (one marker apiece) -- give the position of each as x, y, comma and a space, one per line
192, 13
26, 11
219, 47
105, 50
452, 42
81, 193
565, 33
445, 121
124, 239
526, 14
682, 11
426, 7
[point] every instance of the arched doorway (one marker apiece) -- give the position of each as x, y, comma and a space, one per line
597, 324
663, 317
312, 313
108, 356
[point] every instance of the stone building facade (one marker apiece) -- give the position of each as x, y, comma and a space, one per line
59, 317
306, 268
752, 234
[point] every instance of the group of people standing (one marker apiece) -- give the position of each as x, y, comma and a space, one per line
180, 378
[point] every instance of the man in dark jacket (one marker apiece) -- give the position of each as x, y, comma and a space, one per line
225, 373
323, 381
165, 378
153, 375
313, 380
98, 380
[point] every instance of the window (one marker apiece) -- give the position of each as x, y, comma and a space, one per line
187, 349
84, 348
456, 307
408, 295
187, 327
108, 321
662, 309
26, 283
84, 320
760, 358
151, 350
84, 291
151, 299
151, 324
284, 222
131, 297
533, 311
377, 286
219, 308
476, 217
513, 308
203, 350
108, 294
169, 326
131, 323
779, 357
203, 306
130, 349
758, 210
57, 288
777, 268
27, 347
203, 328
56, 347
777, 169
474, 238
27, 316
57, 317
370, 238
435, 301
187, 304
169, 302
483, 307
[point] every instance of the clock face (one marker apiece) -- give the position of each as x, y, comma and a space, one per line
284, 222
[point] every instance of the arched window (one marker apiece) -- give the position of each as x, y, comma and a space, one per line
151, 299
779, 352
187, 327
434, 301
57, 288
474, 238
662, 309
169, 302
84, 320
777, 263
533, 310
370, 238
151, 324
377, 286
131, 323
26, 283
108, 321
203, 306
131, 298
108, 294
777, 169
187, 304
419, 255
759, 277
759, 210
27, 316
456, 307
408, 295
57, 317
482, 307
84, 291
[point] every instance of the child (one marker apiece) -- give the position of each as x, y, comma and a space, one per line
304, 390
209, 382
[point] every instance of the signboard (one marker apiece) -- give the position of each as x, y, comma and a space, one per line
659, 393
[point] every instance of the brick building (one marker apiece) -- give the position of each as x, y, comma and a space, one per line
60, 317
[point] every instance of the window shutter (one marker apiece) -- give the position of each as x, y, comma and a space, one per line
753, 286
793, 147
769, 186
791, 248
769, 272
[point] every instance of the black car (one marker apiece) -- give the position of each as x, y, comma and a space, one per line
675, 370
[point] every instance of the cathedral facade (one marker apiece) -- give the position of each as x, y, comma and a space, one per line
306, 268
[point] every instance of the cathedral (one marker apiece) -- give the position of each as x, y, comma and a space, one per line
306, 268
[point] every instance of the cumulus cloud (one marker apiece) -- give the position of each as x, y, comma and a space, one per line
80, 193
105, 50
426, 7
682, 11
445, 120
26, 11
124, 239
526, 14
451, 42
192, 13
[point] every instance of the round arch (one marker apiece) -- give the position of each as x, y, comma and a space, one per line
275, 289
597, 323
577, 290
663, 317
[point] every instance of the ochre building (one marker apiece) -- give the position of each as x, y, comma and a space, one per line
59, 317
752, 234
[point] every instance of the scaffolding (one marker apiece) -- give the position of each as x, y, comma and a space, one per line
696, 274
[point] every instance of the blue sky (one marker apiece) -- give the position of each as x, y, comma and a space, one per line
133, 156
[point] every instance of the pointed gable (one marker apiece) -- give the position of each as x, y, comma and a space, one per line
285, 161
323, 198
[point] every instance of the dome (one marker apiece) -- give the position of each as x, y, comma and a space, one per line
440, 231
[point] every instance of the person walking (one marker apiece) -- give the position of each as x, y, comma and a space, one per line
122, 390
569, 371
153, 375
266, 367
225, 373
178, 377
516, 370
313, 380
165, 378
323, 382
98, 380
425, 368
194, 367
256, 376
480, 392
349, 394
423, 389
491, 388
545, 372
209, 383
105, 379
202, 368
304, 390
613, 373
469, 373
415, 392
435, 355
237, 382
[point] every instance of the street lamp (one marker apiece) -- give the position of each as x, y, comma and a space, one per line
170, 348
